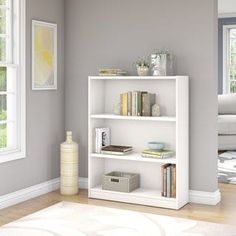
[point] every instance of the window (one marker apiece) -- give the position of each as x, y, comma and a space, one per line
229, 59
12, 80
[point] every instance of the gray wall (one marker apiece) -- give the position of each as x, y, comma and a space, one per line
45, 113
111, 33
221, 23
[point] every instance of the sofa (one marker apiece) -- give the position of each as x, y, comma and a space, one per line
227, 122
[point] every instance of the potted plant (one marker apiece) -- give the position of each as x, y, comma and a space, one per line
142, 67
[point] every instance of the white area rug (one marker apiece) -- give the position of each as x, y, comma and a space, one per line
73, 219
227, 167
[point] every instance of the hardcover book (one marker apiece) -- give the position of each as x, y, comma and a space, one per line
139, 103
168, 181
134, 103
125, 104
173, 185
148, 100
157, 154
116, 153
117, 148
129, 104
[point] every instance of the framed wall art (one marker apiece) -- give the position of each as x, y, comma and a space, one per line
44, 55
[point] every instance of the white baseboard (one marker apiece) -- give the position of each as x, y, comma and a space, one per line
207, 198
83, 183
28, 193
35, 191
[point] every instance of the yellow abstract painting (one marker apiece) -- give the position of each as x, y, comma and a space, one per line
44, 55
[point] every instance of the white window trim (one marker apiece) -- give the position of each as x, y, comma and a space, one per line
226, 58
20, 152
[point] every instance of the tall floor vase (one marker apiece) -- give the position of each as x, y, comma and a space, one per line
69, 166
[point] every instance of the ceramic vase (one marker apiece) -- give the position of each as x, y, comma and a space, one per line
69, 166
161, 64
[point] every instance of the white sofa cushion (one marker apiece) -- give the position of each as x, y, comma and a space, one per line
227, 125
227, 104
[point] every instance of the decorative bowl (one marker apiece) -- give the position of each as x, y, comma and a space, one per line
156, 145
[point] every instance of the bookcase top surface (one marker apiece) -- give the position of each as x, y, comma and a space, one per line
137, 77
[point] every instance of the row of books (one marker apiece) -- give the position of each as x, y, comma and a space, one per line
158, 154
137, 103
111, 72
117, 150
168, 180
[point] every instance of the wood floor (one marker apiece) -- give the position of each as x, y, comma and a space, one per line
224, 212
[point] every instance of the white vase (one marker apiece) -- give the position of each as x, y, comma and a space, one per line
69, 166
161, 64
142, 71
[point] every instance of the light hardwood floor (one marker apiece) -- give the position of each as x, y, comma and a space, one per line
224, 212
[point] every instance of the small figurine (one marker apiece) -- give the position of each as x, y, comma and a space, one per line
156, 110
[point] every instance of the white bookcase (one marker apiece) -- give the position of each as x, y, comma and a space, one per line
171, 128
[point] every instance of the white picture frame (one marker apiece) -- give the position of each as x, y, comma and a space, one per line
44, 55
102, 138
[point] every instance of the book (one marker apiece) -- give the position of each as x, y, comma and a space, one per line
157, 154
125, 104
153, 156
173, 183
168, 181
134, 103
142, 94
102, 138
111, 72
146, 108
121, 104
162, 180
117, 148
139, 103
129, 108
116, 153
148, 100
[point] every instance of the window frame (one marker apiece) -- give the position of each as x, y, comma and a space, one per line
18, 63
226, 57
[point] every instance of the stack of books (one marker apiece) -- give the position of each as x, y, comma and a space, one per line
117, 150
137, 103
168, 180
111, 72
158, 154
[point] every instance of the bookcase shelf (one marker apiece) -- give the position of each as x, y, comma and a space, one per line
134, 157
149, 197
170, 128
143, 118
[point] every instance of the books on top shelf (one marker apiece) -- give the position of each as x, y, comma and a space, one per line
102, 138
111, 72
158, 154
168, 180
137, 103
117, 150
